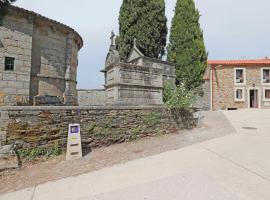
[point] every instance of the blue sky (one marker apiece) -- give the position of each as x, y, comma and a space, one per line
233, 29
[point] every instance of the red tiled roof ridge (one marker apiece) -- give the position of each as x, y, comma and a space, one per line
240, 62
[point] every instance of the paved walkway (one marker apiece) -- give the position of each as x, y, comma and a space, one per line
234, 167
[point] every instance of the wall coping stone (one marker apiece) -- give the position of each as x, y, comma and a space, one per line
85, 90
45, 108
52, 77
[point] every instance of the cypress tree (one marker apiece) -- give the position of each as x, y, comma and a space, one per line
144, 20
186, 48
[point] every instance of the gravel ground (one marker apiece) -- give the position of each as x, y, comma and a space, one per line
214, 125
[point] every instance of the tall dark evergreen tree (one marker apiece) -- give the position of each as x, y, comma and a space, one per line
186, 47
3, 8
144, 20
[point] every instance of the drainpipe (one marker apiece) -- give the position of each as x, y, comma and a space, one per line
212, 84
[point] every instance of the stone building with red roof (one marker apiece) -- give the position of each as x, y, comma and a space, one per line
237, 84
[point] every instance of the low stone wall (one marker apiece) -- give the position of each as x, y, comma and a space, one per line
92, 97
39, 127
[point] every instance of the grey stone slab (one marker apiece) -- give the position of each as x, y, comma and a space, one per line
9, 76
15, 84
3, 84
10, 90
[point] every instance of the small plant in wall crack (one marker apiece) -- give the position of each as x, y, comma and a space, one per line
41, 152
152, 119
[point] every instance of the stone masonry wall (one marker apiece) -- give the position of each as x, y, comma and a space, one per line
54, 61
45, 58
15, 42
129, 84
204, 102
224, 87
92, 97
100, 126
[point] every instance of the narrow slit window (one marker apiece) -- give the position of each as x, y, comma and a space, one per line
239, 94
9, 64
267, 94
266, 75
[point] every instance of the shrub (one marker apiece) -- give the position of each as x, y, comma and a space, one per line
180, 100
151, 119
177, 97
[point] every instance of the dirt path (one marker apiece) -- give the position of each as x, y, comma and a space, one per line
214, 125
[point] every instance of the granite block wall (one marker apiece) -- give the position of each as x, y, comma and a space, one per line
129, 84
45, 58
92, 97
14, 85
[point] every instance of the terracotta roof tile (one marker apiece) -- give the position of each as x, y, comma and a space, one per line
265, 61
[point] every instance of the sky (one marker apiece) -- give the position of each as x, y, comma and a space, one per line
233, 29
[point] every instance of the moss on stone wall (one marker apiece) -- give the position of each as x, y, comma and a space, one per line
39, 131
41, 152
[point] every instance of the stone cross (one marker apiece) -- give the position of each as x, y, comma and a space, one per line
135, 43
112, 39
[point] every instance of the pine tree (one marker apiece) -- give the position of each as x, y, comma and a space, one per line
3, 8
144, 20
186, 47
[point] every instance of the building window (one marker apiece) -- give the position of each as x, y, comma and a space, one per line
266, 94
266, 76
9, 64
239, 94
239, 76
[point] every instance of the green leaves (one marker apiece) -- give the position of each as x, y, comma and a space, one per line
177, 98
144, 20
186, 48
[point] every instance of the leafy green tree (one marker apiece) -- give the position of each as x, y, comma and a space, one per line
3, 8
144, 20
186, 47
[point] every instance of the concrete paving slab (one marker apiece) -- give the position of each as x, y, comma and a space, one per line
192, 160
250, 118
191, 186
26, 194
249, 152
